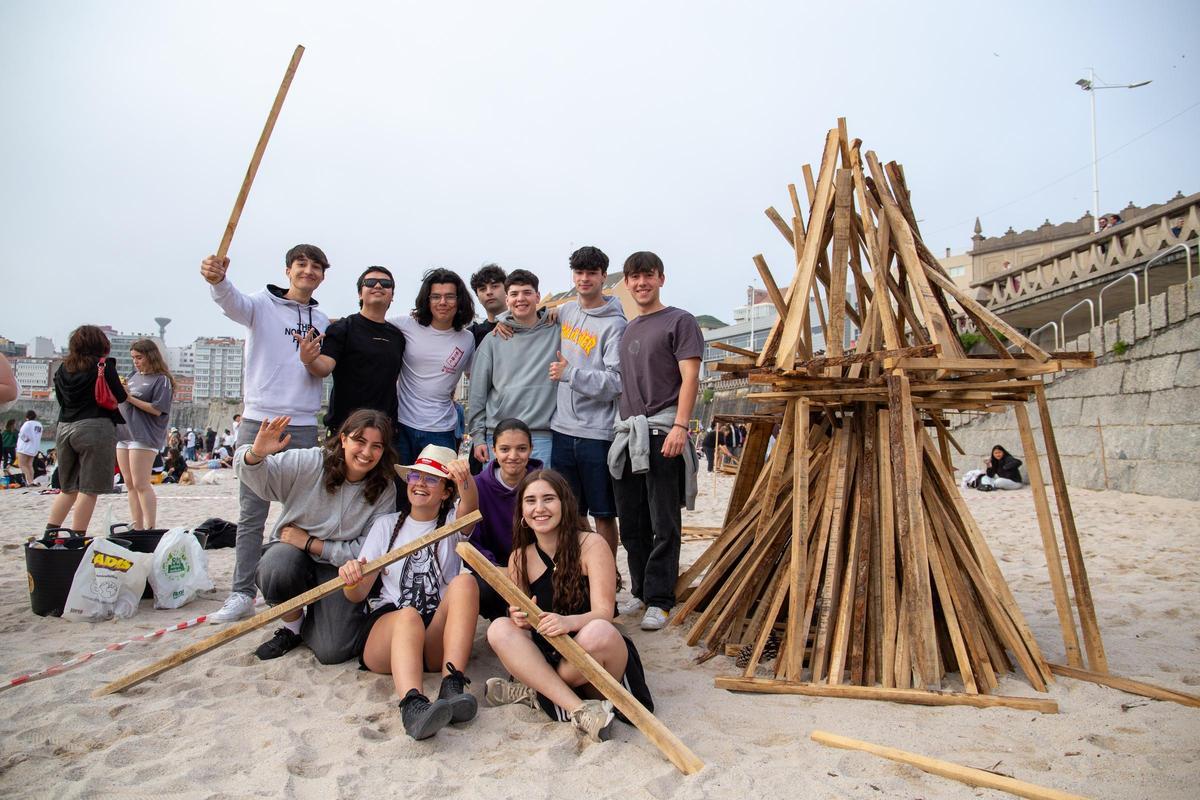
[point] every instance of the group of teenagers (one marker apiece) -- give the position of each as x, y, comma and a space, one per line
571, 413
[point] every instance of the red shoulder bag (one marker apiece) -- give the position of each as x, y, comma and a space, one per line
104, 396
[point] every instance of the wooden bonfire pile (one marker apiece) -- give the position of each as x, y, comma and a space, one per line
849, 550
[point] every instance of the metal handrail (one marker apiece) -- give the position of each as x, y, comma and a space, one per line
1187, 253
1062, 321
1030, 337
1131, 274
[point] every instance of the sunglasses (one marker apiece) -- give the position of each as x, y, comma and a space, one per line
415, 477
386, 283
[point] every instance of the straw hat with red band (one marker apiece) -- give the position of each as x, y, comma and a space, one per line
434, 460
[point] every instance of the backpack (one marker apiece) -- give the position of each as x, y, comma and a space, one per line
221, 533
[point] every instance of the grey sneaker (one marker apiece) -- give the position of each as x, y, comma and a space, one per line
237, 606
654, 620
630, 607
500, 692
594, 719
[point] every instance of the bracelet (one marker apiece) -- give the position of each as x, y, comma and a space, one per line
308, 545
250, 452
678, 425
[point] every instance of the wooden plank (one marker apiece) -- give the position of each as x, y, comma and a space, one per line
797, 568
768, 280
754, 451
777, 592
868, 528
970, 364
990, 319
835, 468
741, 351
780, 459
887, 553
1092, 642
950, 616
918, 697
230, 632
1127, 685
947, 769
842, 482
907, 478
1058, 583
806, 267
259, 149
839, 642
843, 206
675, 750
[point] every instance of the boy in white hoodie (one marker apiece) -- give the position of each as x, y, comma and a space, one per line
275, 385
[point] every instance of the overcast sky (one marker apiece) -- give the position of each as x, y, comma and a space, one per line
439, 134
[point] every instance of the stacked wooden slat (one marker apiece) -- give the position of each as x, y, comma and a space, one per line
849, 548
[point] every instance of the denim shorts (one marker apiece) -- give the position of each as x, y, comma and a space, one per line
87, 455
584, 463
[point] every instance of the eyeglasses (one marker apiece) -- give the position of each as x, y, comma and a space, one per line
415, 477
371, 283
438, 298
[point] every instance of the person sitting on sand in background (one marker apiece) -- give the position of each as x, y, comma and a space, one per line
1003, 471
331, 495
497, 486
424, 617
176, 469
570, 573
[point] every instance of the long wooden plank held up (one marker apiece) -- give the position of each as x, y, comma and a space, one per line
252, 170
228, 634
675, 750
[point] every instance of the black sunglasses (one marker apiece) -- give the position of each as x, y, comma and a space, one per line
386, 283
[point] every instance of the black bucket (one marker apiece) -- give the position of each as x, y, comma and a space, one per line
145, 542
51, 571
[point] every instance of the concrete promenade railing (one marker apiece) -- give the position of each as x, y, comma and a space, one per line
1113, 251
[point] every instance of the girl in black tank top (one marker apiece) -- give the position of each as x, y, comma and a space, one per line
571, 574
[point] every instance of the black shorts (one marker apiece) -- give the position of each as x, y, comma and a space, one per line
492, 605
634, 679
381, 611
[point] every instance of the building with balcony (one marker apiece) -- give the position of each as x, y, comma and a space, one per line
217, 369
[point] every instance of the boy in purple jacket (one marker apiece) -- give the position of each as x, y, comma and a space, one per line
497, 485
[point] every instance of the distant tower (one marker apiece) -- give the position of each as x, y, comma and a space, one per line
163, 322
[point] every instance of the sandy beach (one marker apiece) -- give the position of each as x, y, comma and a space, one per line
226, 725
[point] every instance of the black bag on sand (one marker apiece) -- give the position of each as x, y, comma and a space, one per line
221, 533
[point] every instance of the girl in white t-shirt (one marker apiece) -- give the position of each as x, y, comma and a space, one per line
425, 612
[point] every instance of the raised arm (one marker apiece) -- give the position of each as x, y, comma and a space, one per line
237, 306
263, 466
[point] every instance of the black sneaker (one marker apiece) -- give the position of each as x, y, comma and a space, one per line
422, 718
282, 643
453, 691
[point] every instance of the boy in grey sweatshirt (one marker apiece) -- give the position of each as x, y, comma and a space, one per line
588, 374
508, 376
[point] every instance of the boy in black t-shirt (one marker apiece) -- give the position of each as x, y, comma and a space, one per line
362, 351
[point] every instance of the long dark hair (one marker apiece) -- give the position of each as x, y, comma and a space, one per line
568, 566
87, 345
465, 311
158, 366
380, 477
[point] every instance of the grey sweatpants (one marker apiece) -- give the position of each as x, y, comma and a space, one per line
332, 624
252, 509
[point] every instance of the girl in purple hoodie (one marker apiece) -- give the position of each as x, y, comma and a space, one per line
497, 485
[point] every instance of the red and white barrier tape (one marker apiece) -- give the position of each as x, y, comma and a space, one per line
145, 638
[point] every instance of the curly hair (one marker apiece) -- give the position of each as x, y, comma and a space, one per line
568, 580
379, 478
588, 258
465, 311
85, 347
488, 273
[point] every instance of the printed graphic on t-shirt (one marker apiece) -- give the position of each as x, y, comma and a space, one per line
421, 580
580, 336
302, 328
451, 364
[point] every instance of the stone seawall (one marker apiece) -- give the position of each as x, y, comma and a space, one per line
218, 414
1142, 401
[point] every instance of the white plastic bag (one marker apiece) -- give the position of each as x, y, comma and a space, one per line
180, 569
109, 583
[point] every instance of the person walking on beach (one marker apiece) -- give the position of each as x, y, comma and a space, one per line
28, 444
147, 410
8, 444
651, 459
570, 573
276, 385
424, 616
508, 377
363, 351
587, 371
330, 495
87, 431
438, 347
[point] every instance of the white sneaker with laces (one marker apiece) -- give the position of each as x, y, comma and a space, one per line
237, 606
654, 620
630, 606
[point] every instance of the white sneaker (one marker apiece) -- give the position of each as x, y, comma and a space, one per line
237, 606
654, 620
631, 606
594, 719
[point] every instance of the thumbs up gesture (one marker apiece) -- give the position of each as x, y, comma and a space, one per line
557, 368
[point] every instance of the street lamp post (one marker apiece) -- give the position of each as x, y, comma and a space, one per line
1089, 84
